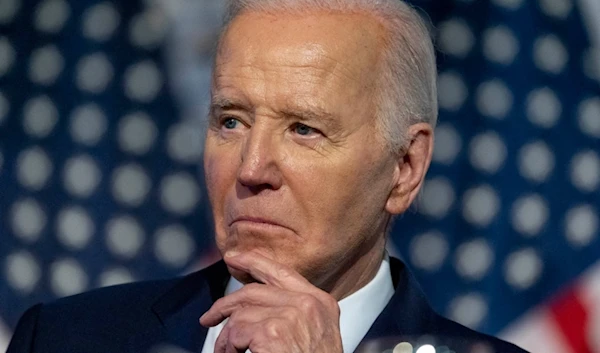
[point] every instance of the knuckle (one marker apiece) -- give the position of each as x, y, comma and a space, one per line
308, 303
329, 302
283, 272
272, 329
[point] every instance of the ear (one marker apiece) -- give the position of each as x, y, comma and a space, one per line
411, 168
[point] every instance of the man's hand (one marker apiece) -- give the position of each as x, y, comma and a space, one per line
284, 314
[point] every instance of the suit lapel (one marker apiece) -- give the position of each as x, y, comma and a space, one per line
180, 308
407, 313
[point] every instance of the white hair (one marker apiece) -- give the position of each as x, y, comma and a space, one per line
406, 92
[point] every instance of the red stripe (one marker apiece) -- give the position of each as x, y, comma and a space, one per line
571, 316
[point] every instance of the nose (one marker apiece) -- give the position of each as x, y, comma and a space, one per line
259, 169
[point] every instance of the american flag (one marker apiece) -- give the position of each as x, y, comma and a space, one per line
101, 107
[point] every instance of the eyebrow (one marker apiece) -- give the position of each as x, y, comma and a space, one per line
225, 103
312, 113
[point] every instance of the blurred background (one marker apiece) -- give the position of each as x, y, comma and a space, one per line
101, 124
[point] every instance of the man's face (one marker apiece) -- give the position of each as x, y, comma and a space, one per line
294, 166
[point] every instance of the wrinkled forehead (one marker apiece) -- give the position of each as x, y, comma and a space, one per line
348, 45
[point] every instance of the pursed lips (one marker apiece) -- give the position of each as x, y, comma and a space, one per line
257, 221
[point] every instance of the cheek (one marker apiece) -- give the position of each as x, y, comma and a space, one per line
211, 173
218, 175
215, 174
350, 195
322, 193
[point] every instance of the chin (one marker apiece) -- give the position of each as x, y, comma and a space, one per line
263, 244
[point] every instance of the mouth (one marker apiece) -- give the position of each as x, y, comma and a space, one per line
257, 222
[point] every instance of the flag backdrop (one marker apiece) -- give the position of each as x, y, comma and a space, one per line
101, 106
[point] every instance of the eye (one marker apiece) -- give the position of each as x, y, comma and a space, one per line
230, 123
304, 130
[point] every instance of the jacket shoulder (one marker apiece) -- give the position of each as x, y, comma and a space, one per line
465, 335
410, 314
126, 300
106, 317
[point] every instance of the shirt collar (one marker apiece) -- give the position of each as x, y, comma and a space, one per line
359, 310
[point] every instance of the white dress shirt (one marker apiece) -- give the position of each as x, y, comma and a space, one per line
358, 311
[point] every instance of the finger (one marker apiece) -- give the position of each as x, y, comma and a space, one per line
242, 327
251, 295
221, 342
234, 339
268, 271
226, 344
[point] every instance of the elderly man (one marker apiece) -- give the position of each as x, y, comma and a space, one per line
319, 133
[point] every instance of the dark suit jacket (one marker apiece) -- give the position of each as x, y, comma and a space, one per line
147, 316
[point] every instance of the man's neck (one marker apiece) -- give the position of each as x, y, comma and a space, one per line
363, 270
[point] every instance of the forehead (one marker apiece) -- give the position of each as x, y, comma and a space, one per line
342, 49
335, 33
